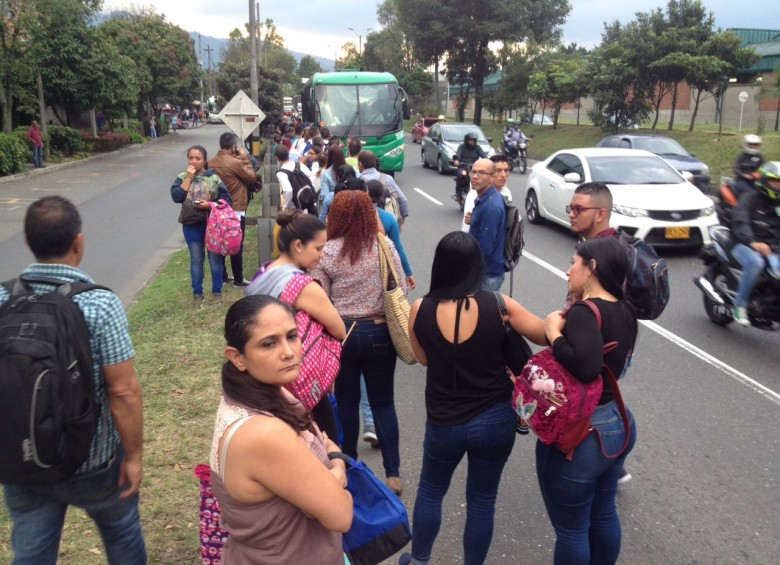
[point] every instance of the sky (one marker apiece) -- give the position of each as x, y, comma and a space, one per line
320, 27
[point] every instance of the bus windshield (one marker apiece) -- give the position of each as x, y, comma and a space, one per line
360, 110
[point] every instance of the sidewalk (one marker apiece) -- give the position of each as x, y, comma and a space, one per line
29, 171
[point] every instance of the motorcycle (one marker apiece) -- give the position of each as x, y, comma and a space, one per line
720, 280
462, 184
516, 154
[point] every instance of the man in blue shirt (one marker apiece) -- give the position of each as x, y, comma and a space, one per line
488, 223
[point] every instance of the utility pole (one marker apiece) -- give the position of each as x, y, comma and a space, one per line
253, 86
208, 50
259, 43
200, 69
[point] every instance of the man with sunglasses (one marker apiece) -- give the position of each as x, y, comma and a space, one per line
488, 222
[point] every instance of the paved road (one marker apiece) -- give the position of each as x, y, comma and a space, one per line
706, 462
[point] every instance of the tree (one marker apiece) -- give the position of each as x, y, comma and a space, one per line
307, 67
17, 20
164, 55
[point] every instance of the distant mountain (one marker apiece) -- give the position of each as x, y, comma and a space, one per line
216, 45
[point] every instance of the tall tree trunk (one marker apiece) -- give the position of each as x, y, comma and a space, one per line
579, 104
442, 109
6, 103
93, 122
480, 70
657, 105
674, 106
42, 110
696, 100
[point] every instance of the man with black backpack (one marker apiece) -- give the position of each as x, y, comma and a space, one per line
647, 287
71, 413
296, 183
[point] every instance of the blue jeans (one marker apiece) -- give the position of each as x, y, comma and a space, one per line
37, 155
580, 494
365, 409
369, 351
492, 284
487, 439
195, 236
38, 513
752, 266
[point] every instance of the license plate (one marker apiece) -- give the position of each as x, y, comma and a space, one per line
678, 233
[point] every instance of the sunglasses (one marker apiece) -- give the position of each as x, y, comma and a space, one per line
577, 210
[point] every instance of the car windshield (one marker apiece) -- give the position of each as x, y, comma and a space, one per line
632, 170
457, 133
378, 111
659, 146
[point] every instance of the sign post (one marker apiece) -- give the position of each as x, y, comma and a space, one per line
743, 97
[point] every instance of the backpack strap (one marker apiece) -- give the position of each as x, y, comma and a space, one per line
20, 286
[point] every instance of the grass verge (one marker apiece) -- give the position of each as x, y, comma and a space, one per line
178, 359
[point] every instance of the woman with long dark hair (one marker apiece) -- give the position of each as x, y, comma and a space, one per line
457, 332
301, 242
194, 189
349, 273
580, 494
282, 499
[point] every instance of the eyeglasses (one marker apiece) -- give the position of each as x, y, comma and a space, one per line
481, 173
577, 210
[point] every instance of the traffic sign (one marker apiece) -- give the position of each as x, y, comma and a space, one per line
743, 96
242, 115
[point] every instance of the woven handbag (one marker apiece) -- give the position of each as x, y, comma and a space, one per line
396, 306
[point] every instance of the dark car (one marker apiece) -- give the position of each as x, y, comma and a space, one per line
442, 141
421, 128
666, 147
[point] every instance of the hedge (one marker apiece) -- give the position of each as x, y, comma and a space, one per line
105, 142
14, 153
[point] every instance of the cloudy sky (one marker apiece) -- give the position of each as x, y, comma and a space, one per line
320, 27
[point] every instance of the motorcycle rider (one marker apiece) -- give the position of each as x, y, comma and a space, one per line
467, 154
755, 226
747, 164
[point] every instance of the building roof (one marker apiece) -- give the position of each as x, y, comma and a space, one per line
765, 42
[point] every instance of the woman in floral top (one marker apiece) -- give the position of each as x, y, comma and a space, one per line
194, 189
350, 274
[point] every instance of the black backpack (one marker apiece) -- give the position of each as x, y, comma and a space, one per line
648, 278
48, 407
513, 236
303, 195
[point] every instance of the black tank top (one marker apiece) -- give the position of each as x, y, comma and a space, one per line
463, 380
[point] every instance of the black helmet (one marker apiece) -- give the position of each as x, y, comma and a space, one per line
469, 135
769, 180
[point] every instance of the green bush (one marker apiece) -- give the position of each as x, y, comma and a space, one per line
64, 140
134, 136
13, 153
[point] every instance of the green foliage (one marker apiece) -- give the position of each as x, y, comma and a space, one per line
64, 140
307, 67
133, 134
14, 152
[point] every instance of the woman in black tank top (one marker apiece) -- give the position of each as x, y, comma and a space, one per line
458, 334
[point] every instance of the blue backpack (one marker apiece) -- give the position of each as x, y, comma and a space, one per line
380, 526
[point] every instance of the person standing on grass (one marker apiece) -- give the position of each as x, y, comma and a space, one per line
106, 486
34, 135
235, 170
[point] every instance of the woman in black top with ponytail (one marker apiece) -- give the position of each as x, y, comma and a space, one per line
457, 331
580, 494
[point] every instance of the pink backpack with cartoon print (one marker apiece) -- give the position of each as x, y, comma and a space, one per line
558, 406
223, 229
320, 360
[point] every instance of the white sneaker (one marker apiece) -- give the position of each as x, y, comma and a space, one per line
369, 436
740, 315
624, 478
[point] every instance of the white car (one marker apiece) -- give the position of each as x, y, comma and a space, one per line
651, 199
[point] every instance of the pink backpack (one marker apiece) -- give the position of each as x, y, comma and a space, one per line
320, 361
555, 404
223, 229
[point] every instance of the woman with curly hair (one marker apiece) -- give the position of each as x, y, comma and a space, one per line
349, 273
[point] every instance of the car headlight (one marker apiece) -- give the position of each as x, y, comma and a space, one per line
628, 211
705, 170
395, 152
708, 211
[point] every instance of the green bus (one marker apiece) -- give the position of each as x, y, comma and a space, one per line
364, 105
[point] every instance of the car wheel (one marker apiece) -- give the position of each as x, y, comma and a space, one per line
532, 208
423, 159
440, 165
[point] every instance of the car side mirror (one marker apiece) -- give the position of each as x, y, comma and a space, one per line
490, 140
572, 178
687, 175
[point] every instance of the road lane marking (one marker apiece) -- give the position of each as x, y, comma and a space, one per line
735, 374
428, 196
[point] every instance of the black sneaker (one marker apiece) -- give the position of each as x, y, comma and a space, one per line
241, 283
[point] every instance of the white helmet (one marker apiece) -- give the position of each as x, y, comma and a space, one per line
751, 143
